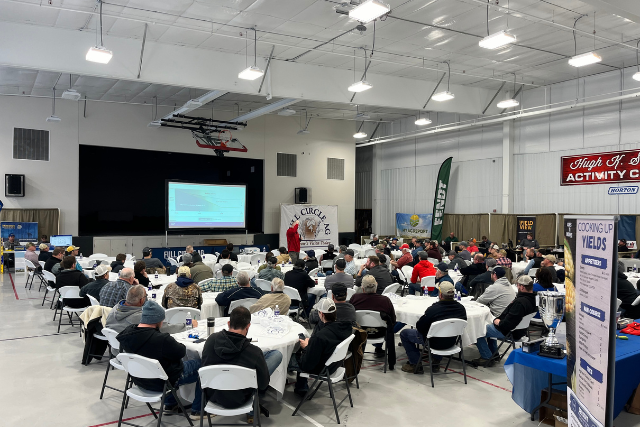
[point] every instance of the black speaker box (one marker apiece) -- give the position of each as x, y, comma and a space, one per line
14, 185
303, 195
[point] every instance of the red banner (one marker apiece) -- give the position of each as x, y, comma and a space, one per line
601, 168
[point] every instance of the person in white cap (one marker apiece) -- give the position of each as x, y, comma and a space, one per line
101, 279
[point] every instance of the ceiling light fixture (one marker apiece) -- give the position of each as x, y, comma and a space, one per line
99, 53
369, 10
53, 118
584, 58
636, 76
359, 135
71, 94
252, 72
423, 121
286, 112
363, 84
508, 103
307, 121
446, 95
497, 40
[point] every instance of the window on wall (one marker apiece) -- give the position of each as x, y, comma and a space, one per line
30, 144
335, 169
287, 164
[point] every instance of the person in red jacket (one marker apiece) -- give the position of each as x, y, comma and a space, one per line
293, 242
422, 269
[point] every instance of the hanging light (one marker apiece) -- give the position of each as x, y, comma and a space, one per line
636, 76
584, 58
99, 53
497, 40
445, 95
369, 10
508, 103
360, 86
253, 72
422, 121
359, 135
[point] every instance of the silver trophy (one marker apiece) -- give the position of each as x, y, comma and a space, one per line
551, 307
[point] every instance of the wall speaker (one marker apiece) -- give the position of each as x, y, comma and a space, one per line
303, 195
14, 185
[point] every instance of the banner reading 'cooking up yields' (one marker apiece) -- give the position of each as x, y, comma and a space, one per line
318, 225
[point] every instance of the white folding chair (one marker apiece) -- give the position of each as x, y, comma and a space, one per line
354, 246
275, 252
33, 273
510, 340
433, 261
49, 277
234, 273
98, 256
144, 368
245, 302
173, 262
42, 263
391, 289
265, 285
448, 328
256, 258
350, 292
372, 319
314, 272
68, 292
179, 314
428, 282
294, 295
407, 270
93, 300
560, 287
129, 257
532, 272
327, 265
339, 355
244, 266
228, 378
370, 252
114, 363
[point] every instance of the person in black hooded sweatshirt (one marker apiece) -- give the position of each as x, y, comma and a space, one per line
231, 347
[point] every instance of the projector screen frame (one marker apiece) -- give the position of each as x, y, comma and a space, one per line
191, 230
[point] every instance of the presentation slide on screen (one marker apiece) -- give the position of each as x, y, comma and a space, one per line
206, 205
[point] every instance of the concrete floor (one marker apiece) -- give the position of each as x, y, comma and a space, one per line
44, 382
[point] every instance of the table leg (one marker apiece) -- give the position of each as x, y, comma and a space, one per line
533, 413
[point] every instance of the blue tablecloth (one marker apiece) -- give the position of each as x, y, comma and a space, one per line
528, 374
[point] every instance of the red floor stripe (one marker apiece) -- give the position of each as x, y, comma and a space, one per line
14, 287
124, 419
482, 381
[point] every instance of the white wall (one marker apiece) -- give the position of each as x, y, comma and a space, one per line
54, 184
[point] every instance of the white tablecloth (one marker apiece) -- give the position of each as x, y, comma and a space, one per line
633, 278
410, 309
518, 267
284, 345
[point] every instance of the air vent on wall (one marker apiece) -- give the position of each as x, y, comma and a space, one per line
30, 144
287, 164
335, 169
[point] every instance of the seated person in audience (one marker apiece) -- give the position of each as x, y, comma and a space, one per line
31, 255
44, 239
298, 279
73, 251
492, 252
451, 238
544, 281
501, 258
44, 252
129, 312
351, 267
146, 339
370, 299
233, 256
329, 255
386, 249
283, 258
310, 262
421, 270
499, 295
523, 305
187, 250
199, 271
150, 262
375, 241
227, 281
622, 245
69, 275
455, 262
405, 259
345, 311
442, 276
470, 272
244, 290
271, 271
473, 248
56, 257
231, 347
485, 243
140, 272
118, 264
339, 276
379, 271
627, 293
11, 242
412, 244
101, 279
225, 258
483, 278
114, 292
464, 251
532, 261
276, 297
433, 251
182, 293
187, 260
315, 351
529, 242
548, 263
268, 256
419, 247
446, 308
394, 244
342, 251
440, 249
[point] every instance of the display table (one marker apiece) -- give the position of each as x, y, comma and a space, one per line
530, 374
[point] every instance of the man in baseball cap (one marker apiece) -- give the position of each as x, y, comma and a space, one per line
351, 267
394, 244
446, 308
548, 262
345, 312
499, 294
405, 259
101, 279
145, 339
73, 251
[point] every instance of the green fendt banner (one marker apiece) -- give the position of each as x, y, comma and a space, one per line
440, 199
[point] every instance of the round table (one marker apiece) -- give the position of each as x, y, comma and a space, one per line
410, 309
284, 344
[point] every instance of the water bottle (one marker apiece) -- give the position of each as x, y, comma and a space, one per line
149, 288
459, 296
456, 268
81, 256
153, 295
426, 291
635, 270
188, 323
95, 265
276, 312
156, 274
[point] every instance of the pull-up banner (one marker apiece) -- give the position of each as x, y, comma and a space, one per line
601, 168
413, 225
526, 225
440, 199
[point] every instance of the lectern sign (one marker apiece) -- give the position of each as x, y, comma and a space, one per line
601, 168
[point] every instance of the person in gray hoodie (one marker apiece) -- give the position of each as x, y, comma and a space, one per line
500, 294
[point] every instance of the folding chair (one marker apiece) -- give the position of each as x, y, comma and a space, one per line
511, 342
371, 319
391, 289
370, 252
93, 300
350, 292
314, 272
98, 257
256, 258
227, 378
339, 355
244, 266
114, 363
532, 273
327, 265
265, 285
68, 292
433, 261
403, 281
245, 302
428, 283
445, 329
50, 277
179, 314
33, 273
295, 296
559, 287
407, 270
142, 367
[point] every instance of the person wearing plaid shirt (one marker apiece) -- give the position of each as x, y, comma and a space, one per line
227, 281
503, 260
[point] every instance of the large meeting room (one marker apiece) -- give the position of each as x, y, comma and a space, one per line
309, 213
